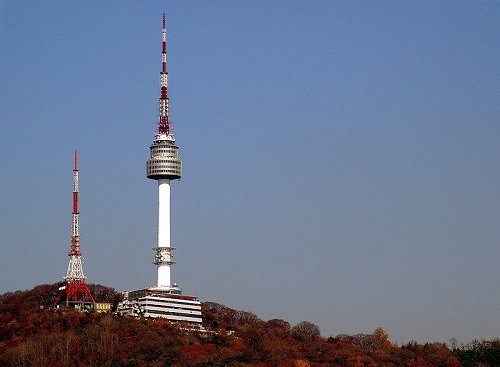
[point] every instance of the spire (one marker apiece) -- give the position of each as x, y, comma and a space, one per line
75, 226
164, 127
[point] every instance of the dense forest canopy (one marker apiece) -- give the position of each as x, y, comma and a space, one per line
33, 334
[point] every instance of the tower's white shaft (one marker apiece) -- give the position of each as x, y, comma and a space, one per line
164, 230
163, 213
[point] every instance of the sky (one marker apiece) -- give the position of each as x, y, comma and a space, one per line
340, 158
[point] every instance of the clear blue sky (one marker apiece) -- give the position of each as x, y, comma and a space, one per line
341, 158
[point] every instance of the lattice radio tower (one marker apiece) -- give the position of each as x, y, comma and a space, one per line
75, 292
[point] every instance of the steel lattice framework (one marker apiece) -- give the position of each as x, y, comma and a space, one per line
75, 289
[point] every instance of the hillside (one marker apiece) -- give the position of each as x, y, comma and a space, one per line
33, 334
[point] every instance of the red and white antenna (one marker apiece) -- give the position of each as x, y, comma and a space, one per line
75, 290
164, 127
75, 225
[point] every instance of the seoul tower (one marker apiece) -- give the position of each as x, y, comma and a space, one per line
164, 166
165, 299
75, 291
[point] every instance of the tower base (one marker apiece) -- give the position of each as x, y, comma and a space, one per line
166, 302
76, 294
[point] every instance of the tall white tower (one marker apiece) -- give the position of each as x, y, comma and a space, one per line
164, 166
165, 299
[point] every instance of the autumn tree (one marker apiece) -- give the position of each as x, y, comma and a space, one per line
485, 353
306, 332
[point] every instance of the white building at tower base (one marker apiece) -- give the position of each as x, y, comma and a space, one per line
169, 303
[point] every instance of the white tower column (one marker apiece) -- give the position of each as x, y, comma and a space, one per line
163, 212
164, 249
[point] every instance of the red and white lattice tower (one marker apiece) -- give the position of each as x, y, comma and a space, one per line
75, 290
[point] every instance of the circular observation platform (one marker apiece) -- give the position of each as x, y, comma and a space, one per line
164, 161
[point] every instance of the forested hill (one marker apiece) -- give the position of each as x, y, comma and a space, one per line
33, 334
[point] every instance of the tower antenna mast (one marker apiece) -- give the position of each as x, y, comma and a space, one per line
164, 126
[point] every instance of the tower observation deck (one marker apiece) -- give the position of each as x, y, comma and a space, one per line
164, 162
